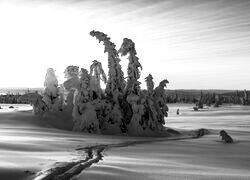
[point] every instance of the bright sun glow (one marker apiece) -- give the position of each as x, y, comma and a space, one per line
174, 41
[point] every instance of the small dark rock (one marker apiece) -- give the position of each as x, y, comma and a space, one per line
195, 108
201, 132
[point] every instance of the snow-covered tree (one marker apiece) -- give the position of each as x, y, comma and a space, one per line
71, 85
36, 100
84, 114
84, 85
150, 84
133, 85
161, 101
124, 107
115, 75
217, 100
96, 75
245, 98
71, 74
51, 91
200, 103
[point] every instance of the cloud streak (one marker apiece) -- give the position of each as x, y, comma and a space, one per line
176, 35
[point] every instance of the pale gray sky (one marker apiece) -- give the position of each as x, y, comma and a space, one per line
195, 44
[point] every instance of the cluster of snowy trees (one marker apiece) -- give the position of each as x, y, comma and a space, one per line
121, 108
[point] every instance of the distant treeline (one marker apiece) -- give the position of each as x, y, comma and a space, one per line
11, 95
208, 97
17, 91
12, 99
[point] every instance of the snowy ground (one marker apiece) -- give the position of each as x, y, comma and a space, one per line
29, 145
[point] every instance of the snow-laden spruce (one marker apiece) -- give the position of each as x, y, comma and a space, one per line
121, 108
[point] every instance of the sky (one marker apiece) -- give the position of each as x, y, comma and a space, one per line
195, 44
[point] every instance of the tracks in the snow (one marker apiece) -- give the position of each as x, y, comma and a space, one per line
66, 170
93, 154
